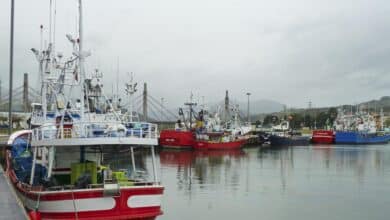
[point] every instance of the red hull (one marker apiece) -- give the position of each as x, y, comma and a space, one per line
323, 137
205, 145
176, 139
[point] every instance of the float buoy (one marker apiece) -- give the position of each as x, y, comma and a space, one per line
34, 215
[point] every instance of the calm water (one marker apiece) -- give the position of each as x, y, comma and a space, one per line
292, 183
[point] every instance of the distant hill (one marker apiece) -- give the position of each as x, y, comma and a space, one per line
373, 106
261, 106
256, 106
383, 102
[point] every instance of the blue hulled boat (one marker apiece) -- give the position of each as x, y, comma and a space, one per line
361, 127
356, 137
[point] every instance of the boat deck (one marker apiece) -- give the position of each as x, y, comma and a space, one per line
10, 207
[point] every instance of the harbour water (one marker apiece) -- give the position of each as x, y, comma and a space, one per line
314, 182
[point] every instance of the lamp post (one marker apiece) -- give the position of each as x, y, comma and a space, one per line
249, 120
11, 66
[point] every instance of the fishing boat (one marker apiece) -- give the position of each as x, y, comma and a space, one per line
58, 168
356, 137
207, 133
278, 140
65, 178
323, 137
210, 135
282, 135
235, 126
183, 136
360, 128
218, 140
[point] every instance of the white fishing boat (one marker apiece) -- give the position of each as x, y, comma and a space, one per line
57, 167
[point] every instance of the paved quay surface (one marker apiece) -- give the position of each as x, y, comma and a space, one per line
10, 207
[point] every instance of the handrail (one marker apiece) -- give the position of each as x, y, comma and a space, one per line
95, 130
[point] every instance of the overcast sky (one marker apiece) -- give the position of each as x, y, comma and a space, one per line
329, 51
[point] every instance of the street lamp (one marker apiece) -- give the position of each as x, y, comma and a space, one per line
11, 66
249, 120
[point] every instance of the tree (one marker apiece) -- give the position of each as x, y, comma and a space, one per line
308, 121
387, 122
296, 120
332, 113
322, 119
271, 120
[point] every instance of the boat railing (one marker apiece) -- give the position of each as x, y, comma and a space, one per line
97, 186
95, 130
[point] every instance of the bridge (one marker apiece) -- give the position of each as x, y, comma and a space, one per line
22, 96
145, 105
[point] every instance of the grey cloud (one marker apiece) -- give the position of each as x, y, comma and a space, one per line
330, 52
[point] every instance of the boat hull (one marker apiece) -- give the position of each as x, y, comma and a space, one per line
205, 145
92, 204
278, 141
352, 137
176, 139
323, 137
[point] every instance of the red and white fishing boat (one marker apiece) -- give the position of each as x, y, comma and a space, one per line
58, 168
111, 198
208, 133
323, 137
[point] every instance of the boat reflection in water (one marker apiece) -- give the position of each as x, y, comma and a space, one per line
203, 169
295, 183
189, 157
256, 182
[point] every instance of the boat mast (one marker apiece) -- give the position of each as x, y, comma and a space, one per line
382, 117
81, 59
41, 57
190, 105
130, 90
43, 88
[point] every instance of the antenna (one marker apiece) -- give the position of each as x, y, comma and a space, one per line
41, 38
190, 104
117, 76
50, 22
248, 108
54, 25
